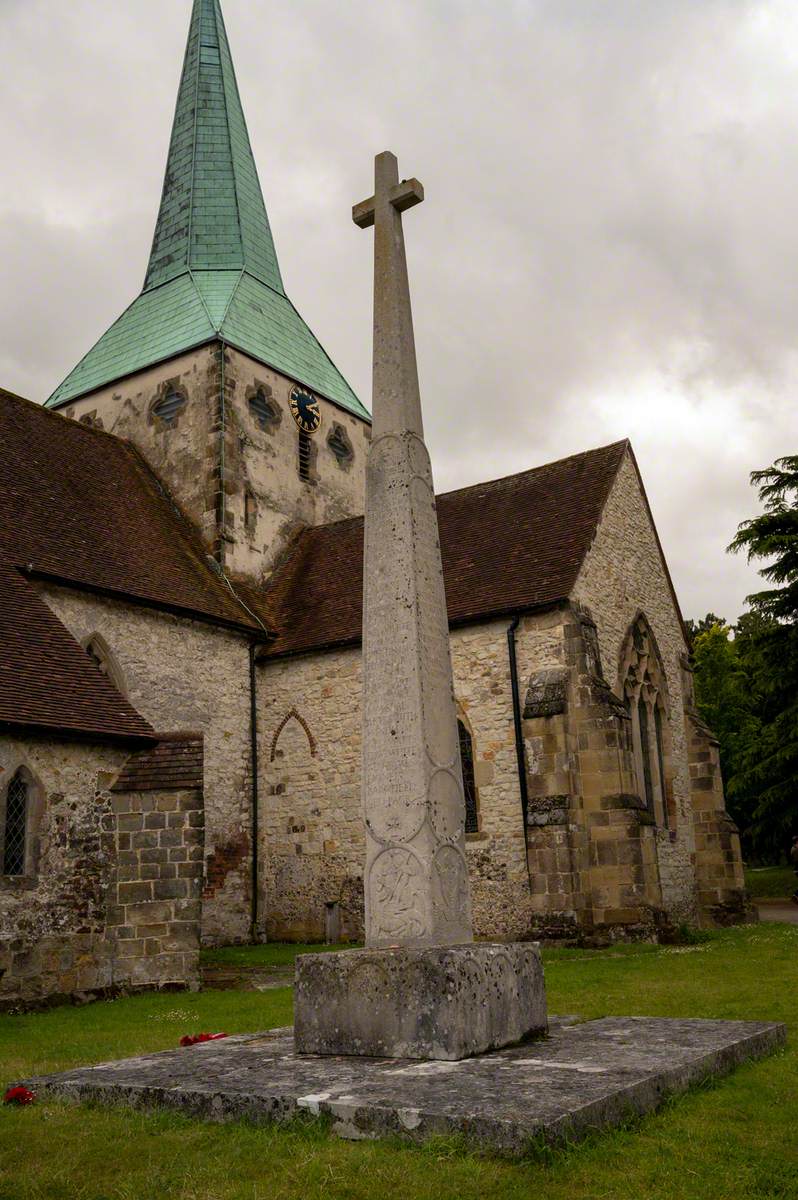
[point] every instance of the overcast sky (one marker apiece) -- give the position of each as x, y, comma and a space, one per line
608, 246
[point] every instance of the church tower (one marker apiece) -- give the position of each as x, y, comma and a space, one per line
211, 371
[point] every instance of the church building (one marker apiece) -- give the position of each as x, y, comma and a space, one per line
181, 572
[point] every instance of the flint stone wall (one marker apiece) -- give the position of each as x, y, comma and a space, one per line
312, 844
184, 674
111, 902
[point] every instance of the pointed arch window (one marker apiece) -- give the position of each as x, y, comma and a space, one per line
645, 690
469, 781
15, 826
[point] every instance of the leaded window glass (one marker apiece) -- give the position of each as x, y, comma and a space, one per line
661, 761
645, 751
15, 827
469, 783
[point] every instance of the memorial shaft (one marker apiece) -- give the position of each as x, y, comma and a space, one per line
416, 879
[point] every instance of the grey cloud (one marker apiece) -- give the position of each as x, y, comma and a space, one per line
607, 247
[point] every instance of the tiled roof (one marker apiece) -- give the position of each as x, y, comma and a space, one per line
507, 546
213, 270
82, 506
47, 681
174, 764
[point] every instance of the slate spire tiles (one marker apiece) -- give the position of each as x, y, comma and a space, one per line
213, 270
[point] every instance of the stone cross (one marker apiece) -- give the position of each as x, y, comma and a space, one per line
416, 881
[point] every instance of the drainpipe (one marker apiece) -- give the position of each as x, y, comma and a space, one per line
253, 734
519, 733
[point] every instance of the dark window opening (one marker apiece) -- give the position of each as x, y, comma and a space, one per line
661, 762
15, 827
304, 455
263, 409
645, 750
341, 446
169, 406
97, 657
469, 783
250, 510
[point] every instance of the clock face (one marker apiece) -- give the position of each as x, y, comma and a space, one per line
305, 410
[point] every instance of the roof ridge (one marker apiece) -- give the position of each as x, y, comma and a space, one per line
342, 521
622, 443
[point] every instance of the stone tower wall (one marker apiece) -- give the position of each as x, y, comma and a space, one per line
238, 482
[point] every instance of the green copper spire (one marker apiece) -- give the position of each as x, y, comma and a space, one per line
212, 212
213, 271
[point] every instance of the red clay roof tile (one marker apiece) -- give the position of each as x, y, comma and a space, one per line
509, 545
47, 681
82, 506
175, 764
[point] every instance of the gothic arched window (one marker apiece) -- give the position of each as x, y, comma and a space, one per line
15, 826
645, 692
469, 782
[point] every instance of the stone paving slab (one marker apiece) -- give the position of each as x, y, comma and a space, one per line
580, 1078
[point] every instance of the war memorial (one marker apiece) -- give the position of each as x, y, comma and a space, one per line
424, 1030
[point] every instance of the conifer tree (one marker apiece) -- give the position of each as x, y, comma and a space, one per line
765, 779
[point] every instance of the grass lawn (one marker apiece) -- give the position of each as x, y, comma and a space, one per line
735, 1140
273, 954
770, 883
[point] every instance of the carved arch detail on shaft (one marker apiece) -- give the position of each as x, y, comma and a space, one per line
293, 715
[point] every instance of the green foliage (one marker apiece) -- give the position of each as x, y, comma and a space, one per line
770, 883
747, 686
702, 626
774, 535
767, 772
735, 1139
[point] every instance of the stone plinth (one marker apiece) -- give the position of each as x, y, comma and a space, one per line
581, 1078
447, 1002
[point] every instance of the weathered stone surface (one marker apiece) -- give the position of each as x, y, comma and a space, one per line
579, 1079
441, 1002
91, 918
416, 877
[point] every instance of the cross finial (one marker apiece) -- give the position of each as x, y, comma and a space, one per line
387, 191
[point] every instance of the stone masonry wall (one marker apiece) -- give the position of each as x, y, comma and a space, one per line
622, 576
110, 900
184, 674
312, 845
247, 516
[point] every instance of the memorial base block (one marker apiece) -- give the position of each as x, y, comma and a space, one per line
441, 1002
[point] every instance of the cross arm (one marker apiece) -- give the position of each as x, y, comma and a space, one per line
402, 196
